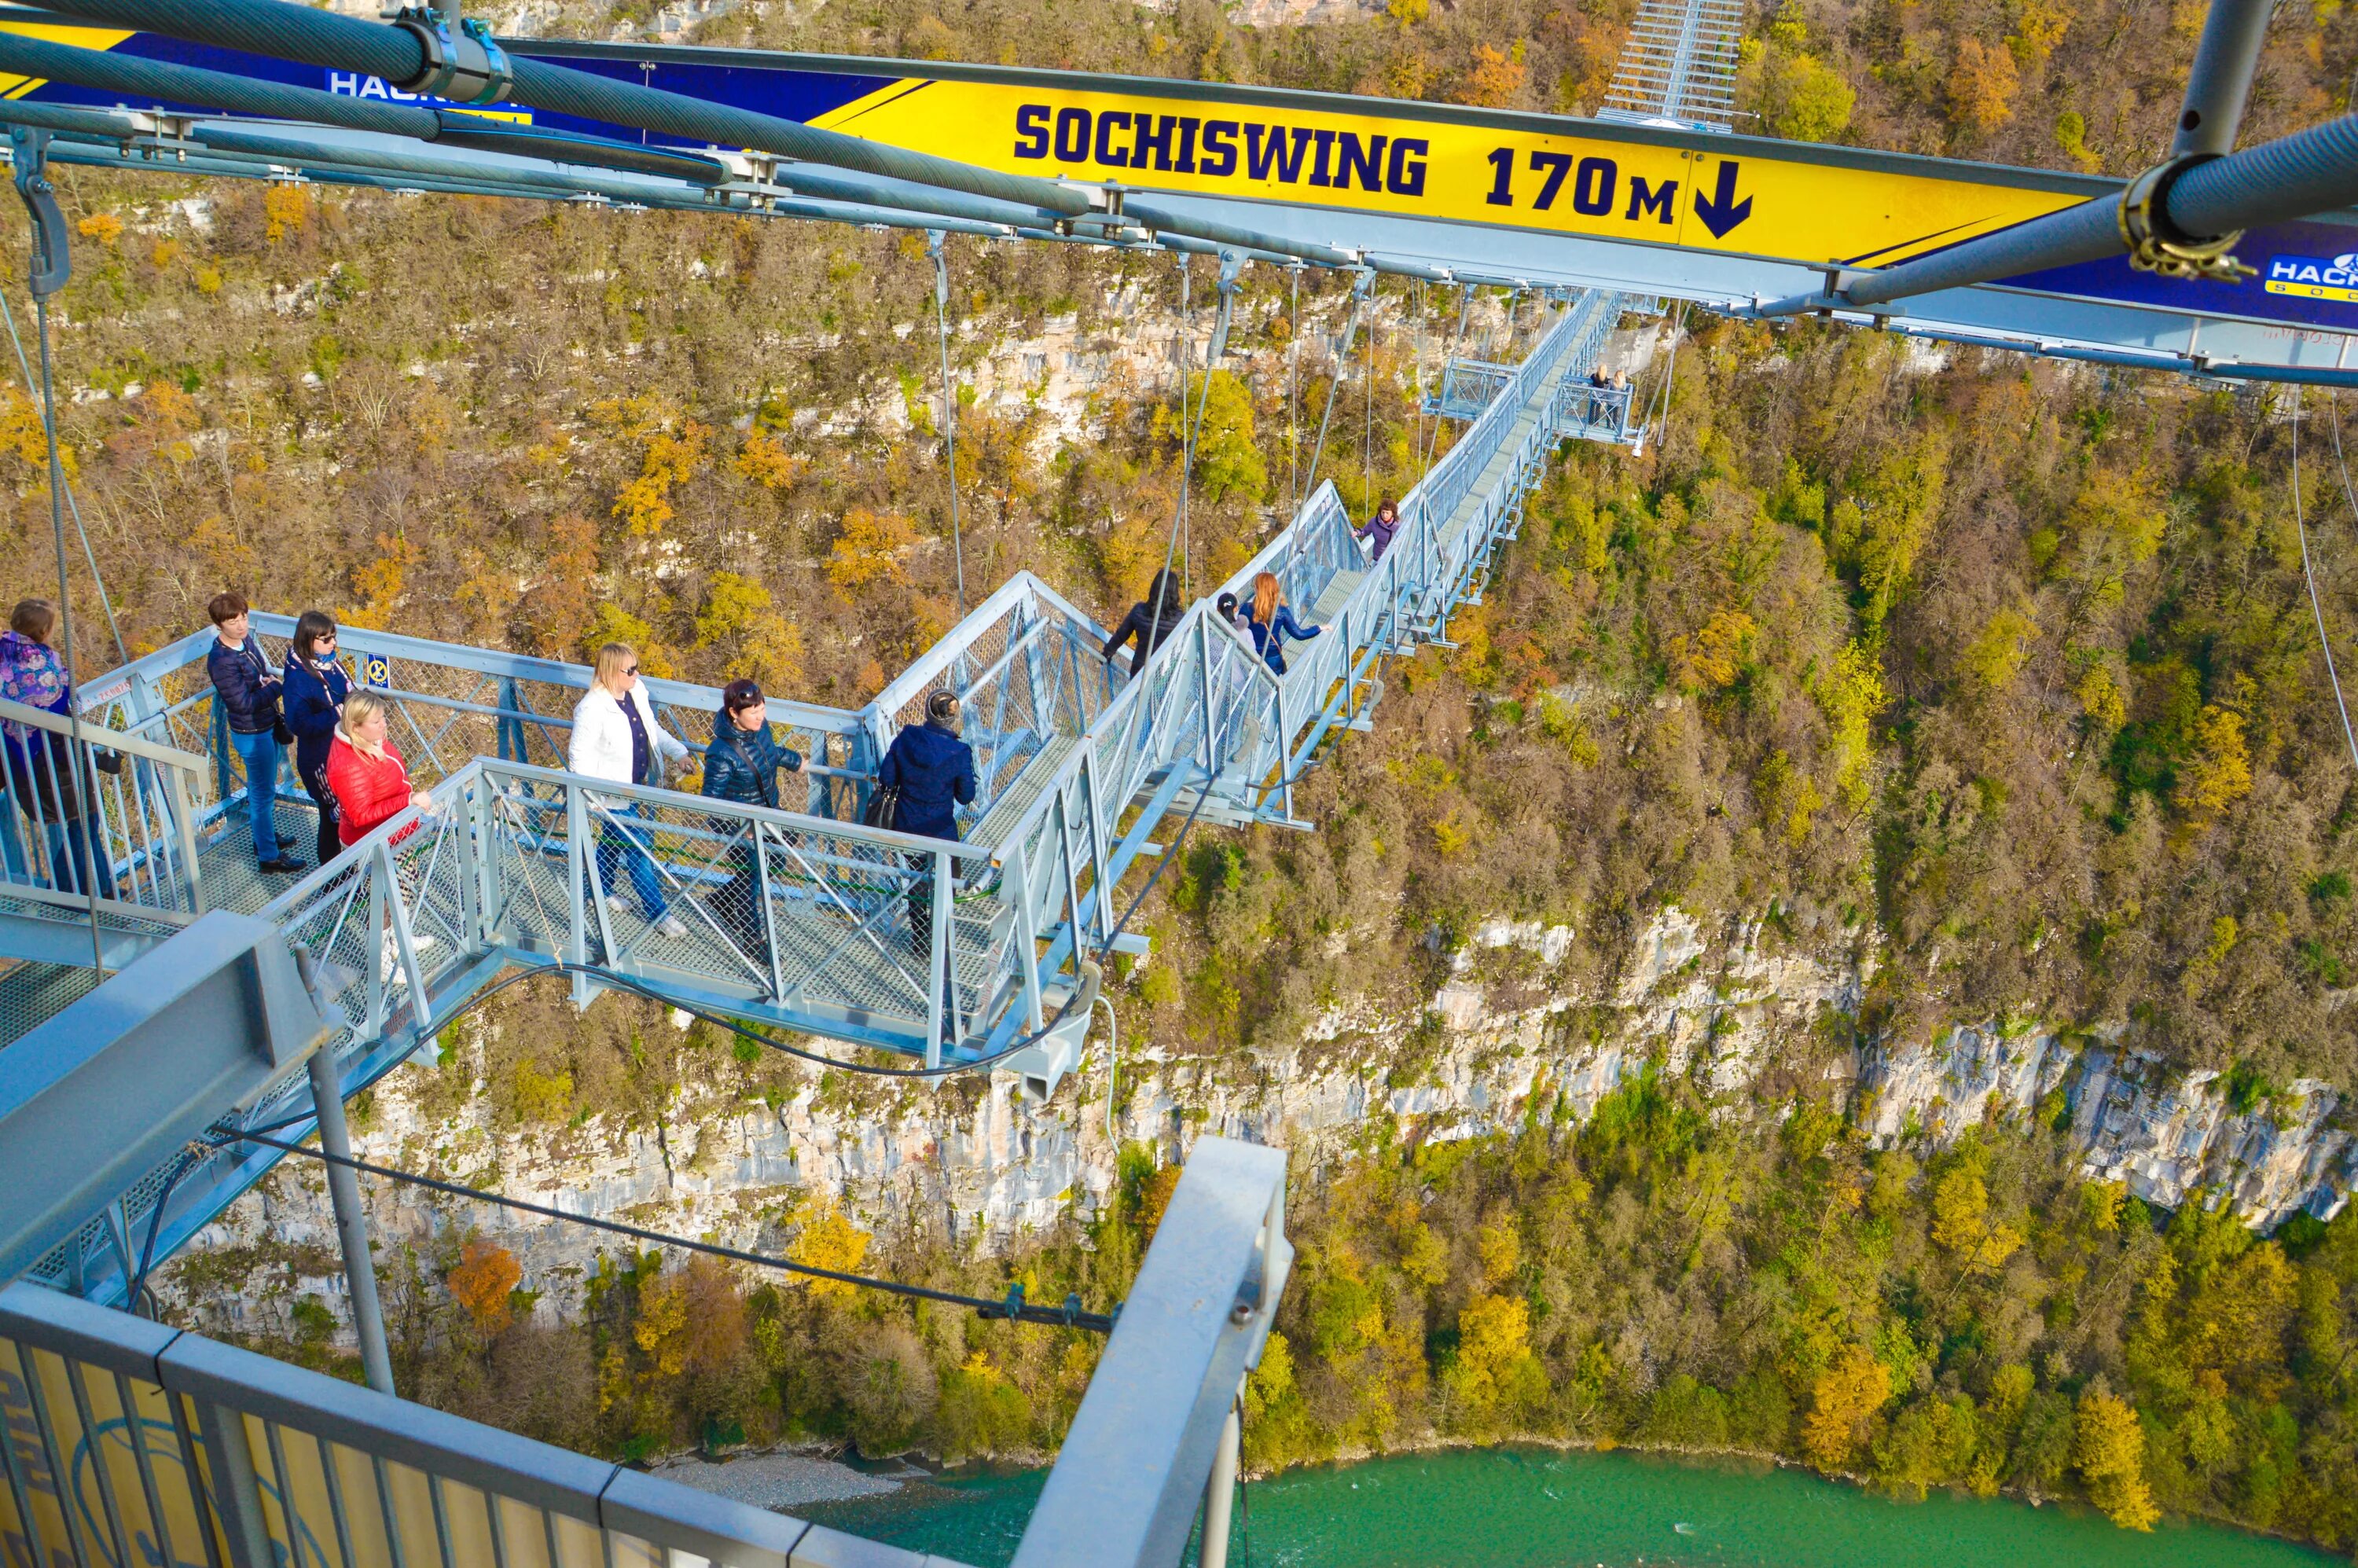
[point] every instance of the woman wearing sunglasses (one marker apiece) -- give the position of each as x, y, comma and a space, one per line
313, 696
616, 738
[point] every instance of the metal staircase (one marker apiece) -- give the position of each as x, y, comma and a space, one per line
801, 920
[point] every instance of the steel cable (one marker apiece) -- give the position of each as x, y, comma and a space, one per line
1069, 1315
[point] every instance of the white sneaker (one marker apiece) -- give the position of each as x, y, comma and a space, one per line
671, 926
614, 904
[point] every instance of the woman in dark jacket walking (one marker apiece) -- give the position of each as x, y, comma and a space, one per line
316, 687
1382, 527
743, 766
1150, 621
934, 771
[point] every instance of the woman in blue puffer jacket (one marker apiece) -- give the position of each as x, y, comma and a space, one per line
314, 691
934, 771
743, 766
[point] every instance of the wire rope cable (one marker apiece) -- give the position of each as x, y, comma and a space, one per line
1293, 401
2317, 606
1068, 1316
1456, 342
936, 241
73, 503
79, 847
1368, 431
1350, 331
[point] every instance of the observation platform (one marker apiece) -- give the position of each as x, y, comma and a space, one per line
801, 920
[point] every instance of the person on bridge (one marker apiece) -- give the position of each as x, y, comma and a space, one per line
1382, 527
366, 771
1273, 621
52, 784
934, 771
743, 766
1150, 621
315, 687
248, 693
616, 738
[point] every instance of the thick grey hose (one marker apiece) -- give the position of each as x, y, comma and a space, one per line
166, 83
2307, 172
553, 179
273, 28
2293, 177
2089, 232
326, 166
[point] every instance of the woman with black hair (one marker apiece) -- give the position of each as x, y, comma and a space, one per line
314, 692
1150, 621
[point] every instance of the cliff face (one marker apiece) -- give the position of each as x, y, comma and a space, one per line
1748, 1017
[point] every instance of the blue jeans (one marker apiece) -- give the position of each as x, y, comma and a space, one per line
78, 852
260, 755
11, 839
618, 848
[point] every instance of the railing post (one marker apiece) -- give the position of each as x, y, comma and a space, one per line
941, 994
405, 941
233, 1494
351, 1219
185, 847
1220, 1496
769, 914
1015, 872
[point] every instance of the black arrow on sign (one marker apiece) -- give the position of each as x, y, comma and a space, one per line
1720, 211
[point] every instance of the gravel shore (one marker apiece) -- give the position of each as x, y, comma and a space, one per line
779, 1480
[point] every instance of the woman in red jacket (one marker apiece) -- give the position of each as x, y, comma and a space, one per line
371, 785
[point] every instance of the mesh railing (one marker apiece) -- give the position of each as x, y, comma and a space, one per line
131, 1443
1030, 672
84, 810
448, 705
1468, 387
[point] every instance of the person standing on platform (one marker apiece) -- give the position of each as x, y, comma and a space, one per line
743, 766
617, 739
248, 692
315, 687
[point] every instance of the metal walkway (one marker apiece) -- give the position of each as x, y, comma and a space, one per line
803, 920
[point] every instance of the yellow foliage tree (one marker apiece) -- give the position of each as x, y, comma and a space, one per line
2102, 699
1998, 651
1495, 1371
763, 459
285, 210
2220, 773
104, 227
671, 461
2037, 31
1849, 696
1961, 1222
737, 611
480, 1282
661, 1329
1715, 656
379, 583
1845, 1398
828, 1239
1982, 84
22, 433
872, 547
2108, 1448
1494, 77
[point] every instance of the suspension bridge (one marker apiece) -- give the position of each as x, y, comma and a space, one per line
147, 1021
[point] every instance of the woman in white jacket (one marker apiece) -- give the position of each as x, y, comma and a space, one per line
616, 738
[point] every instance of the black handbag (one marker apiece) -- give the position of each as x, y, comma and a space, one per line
884, 808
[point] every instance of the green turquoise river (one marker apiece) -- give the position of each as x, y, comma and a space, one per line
1528, 1508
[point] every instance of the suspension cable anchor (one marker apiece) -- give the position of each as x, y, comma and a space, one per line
2157, 245
464, 67
52, 257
